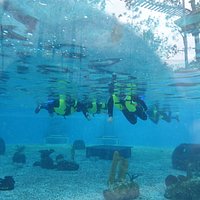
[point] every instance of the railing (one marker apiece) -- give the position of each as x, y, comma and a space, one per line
109, 140
160, 7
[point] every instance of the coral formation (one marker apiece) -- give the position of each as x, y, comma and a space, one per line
19, 156
72, 152
79, 145
123, 168
119, 187
65, 165
7, 183
2, 146
113, 171
46, 161
182, 187
60, 164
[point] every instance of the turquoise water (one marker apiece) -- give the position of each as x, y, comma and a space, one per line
70, 47
75, 53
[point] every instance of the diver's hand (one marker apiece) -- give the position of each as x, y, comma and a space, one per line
110, 119
38, 108
88, 117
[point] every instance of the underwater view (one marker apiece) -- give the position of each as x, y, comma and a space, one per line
99, 99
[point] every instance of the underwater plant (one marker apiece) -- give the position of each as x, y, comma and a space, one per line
182, 187
119, 187
63, 165
46, 161
7, 183
133, 176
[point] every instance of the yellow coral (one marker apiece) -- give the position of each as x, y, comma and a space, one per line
119, 168
123, 168
116, 158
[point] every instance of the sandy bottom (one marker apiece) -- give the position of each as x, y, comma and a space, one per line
88, 183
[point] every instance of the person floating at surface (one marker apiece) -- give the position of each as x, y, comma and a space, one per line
62, 106
168, 116
132, 106
155, 115
91, 108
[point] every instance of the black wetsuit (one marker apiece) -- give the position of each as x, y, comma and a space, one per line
81, 107
84, 108
154, 117
130, 116
49, 106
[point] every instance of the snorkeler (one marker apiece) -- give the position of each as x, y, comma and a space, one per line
19, 15
132, 106
91, 108
63, 106
155, 114
168, 116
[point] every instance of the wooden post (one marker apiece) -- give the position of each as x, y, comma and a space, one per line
185, 43
197, 46
196, 34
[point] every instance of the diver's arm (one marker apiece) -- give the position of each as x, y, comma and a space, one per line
153, 117
138, 100
82, 108
142, 103
49, 106
86, 114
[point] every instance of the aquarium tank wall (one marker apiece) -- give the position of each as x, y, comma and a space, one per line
99, 99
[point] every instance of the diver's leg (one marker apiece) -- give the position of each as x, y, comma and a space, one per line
154, 120
166, 117
40, 106
139, 101
153, 117
82, 108
49, 106
141, 113
99, 106
176, 118
130, 116
142, 103
110, 106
